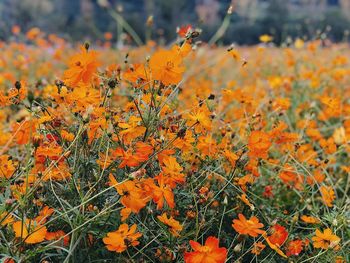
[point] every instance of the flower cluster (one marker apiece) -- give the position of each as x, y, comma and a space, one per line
182, 154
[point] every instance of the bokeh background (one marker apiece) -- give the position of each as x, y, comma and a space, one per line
90, 19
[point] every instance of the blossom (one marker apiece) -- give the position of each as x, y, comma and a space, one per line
265, 38
82, 67
58, 235
249, 227
209, 253
274, 246
258, 144
309, 219
326, 239
258, 247
7, 166
31, 231
174, 225
290, 177
183, 30
294, 247
5, 218
134, 158
131, 194
162, 192
122, 238
278, 235
166, 66
200, 116
328, 195
299, 43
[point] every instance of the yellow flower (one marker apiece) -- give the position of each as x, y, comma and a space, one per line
326, 239
299, 43
30, 231
265, 38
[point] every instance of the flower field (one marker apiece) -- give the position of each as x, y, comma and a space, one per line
182, 153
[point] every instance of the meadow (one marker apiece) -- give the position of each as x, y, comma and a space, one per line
182, 153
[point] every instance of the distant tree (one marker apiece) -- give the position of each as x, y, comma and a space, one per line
276, 18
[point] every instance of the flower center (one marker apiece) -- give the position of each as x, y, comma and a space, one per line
169, 65
205, 249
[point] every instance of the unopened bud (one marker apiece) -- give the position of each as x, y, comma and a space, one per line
17, 85
230, 10
149, 21
237, 248
86, 46
335, 222
103, 3
225, 202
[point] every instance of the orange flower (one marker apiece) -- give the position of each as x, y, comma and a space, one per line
44, 214
7, 166
125, 213
326, 239
5, 218
122, 238
108, 35
162, 192
58, 235
294, 247
134, 158
290, 177
209, 253
33, 33
245, 200
174, 225
172, 169
131, 195
258, 144
234, 53
24, 131
136, 74
249, 227
202, 117
16, 29
131, 129
82, 67
338, 259
328, 195
310, 219
30, 231
273, 246
166, 66
278, 235
257, 248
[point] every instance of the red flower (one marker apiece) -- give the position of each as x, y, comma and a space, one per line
268, 191
294, 248
279, 235
182, 31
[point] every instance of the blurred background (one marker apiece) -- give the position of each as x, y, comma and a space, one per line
90, 19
